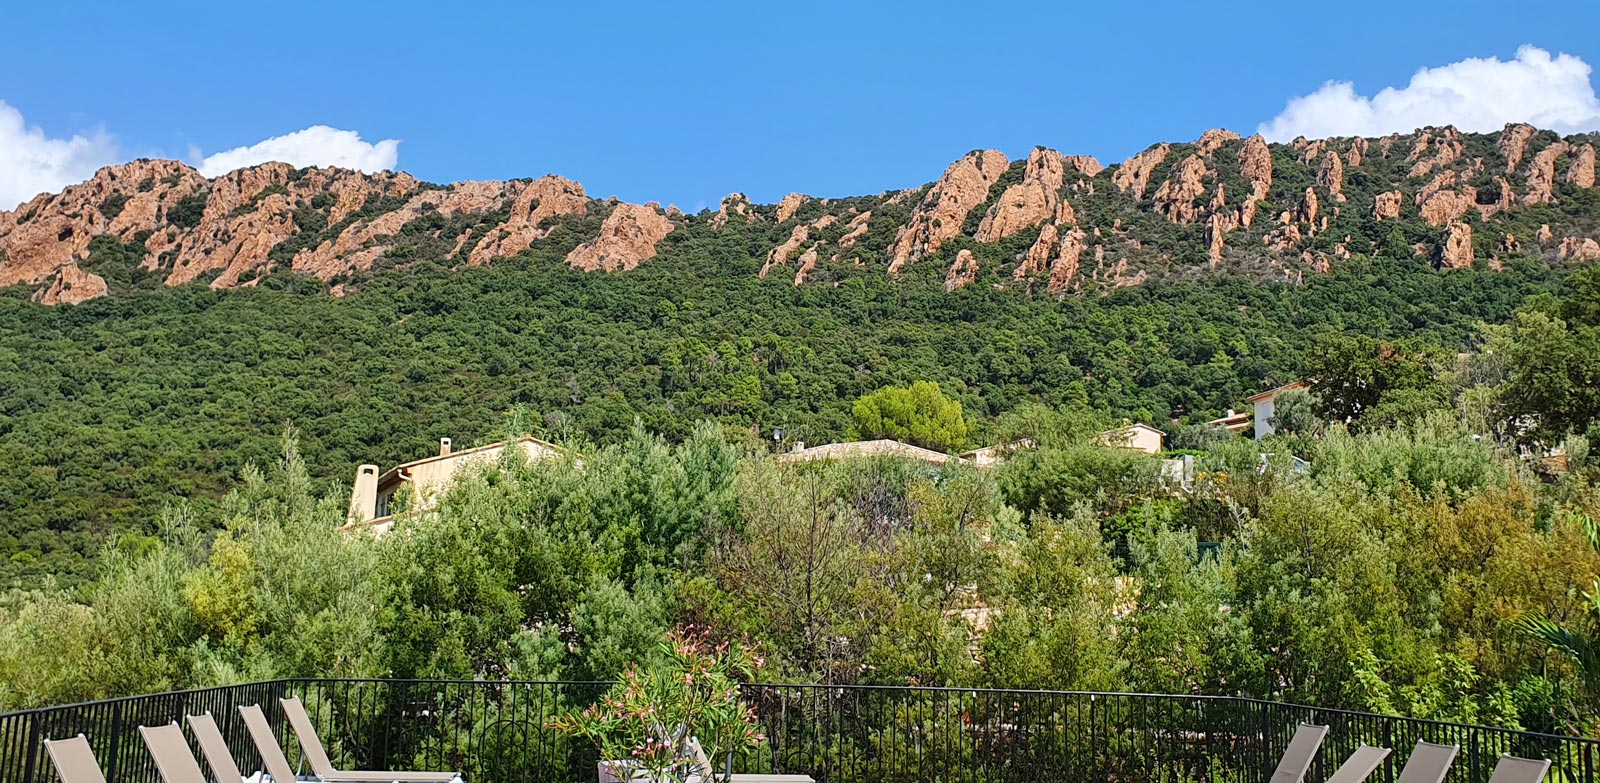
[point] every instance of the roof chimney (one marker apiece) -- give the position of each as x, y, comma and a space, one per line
799, 445
444, 447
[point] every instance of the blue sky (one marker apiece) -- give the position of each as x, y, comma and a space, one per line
684, 103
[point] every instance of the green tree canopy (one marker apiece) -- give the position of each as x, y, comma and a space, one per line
921, 415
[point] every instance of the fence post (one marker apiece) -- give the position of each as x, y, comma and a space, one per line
35, 742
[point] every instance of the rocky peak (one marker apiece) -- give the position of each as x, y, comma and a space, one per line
1331, 176
627, 238
1580, 172
1514, 144
545, 198
1434, 148
1134, 174
732, 204
1542, 174
1212, 140
1029, 202
1176, 197
940, 215
790, 205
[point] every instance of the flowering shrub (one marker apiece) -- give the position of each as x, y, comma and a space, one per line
648, 723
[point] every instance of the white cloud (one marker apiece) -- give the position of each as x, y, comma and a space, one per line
32, 163
1475, 95
318, 145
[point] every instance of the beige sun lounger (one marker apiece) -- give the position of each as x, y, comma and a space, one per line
1428, 763
1301, 752
1511, 769
74, 760
214, 748
277, 765
322, 767
1360, 765
171, 751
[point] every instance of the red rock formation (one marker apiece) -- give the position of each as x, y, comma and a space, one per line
1509, 244
1514, 144
1542, 174
808, 262
1440, 203
1037, 260
1331, 176
1029, 202
1357, 152
1544, 236
732, 204
1212, 140
1578, 249
963, 272
1434, 151
855, 230
1255, 163
361, 244
1456, 252
790, 205
1580, 173
1065, 268
627, 239
1307, 211
1084, 164
1134, 174
1176, 197
547, 197
71, 286
801, 234
941, 213
1387, 205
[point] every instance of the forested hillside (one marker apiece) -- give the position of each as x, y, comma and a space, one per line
113, 408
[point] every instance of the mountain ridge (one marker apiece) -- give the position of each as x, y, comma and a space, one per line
1050, 223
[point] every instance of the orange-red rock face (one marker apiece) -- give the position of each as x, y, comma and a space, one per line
627, 239
941, 213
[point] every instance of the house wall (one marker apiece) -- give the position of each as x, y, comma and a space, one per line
425, 483
1141, 439
1264, 413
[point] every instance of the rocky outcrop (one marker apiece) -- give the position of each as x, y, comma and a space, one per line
544, 198
963, 272
1580, 171
71, 286
790, 205
1544, 236
1331, 176
1357, 152
1440, 202
1068, 260
780, 255
732, 204
1387, 205
1133, 176
627, 238
1433, 149
1456, 251
941, 213
1212, 140
1578, 249
360, 245
1308, 209
1542, 174
1255, 163
1514, 144
1177, 195
855, 230
1086, 165
1037, 260
1029, 202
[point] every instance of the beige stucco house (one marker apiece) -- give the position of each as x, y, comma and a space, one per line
1139, 437
417, 485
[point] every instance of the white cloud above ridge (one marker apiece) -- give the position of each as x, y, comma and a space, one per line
318, 145
32, 162
1475, 95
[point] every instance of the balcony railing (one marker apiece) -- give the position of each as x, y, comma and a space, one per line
494, 733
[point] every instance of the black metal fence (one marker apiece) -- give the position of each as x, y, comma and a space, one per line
494, 733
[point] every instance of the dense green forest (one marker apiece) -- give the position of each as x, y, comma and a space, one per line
111, 409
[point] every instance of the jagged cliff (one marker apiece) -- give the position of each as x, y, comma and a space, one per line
1050, 223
